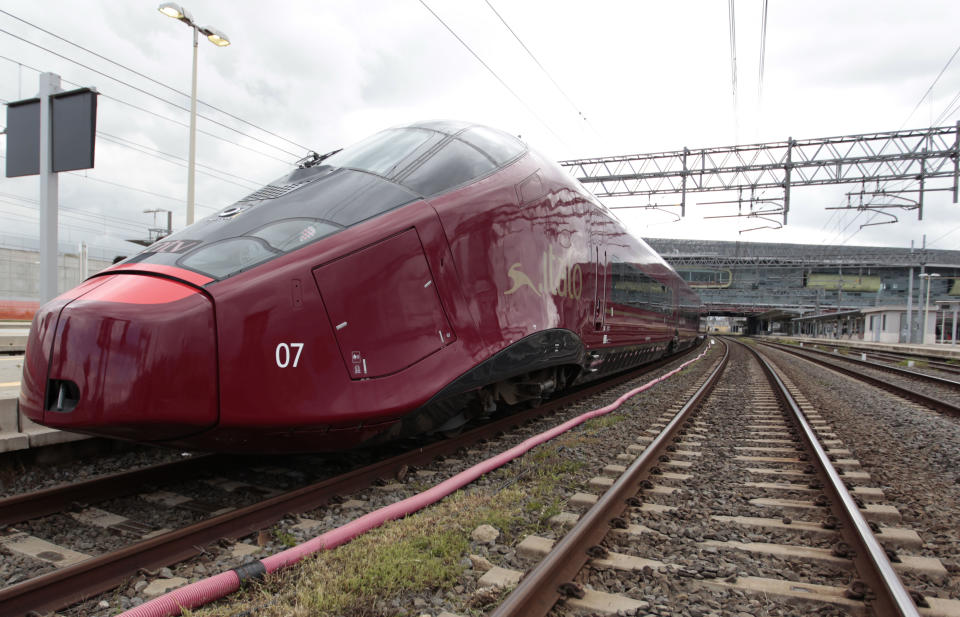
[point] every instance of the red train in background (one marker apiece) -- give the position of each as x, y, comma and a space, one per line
427, 275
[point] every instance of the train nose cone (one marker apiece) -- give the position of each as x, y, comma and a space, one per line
134, 357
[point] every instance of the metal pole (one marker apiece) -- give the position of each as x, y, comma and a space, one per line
683, 198
923, 165
49, 191
956, 162
191, 167
943, 329
910, 306
786, 180
953, 329
84, 262
839, 287
926, 309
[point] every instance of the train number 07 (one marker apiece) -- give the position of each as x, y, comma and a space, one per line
283, 354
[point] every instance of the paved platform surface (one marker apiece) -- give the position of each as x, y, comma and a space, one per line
17, 432
10, 369
13, 339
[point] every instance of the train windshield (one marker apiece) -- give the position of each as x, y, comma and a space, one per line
388, 170
427, 159
387, 152
221, 259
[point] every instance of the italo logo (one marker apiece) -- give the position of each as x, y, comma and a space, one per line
172, 246
556, 278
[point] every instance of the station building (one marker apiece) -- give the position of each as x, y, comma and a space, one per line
831, 291
747, 287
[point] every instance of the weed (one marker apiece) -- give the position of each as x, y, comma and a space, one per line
917, 363
284, 537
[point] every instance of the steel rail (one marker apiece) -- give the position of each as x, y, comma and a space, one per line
538, 591
891, 597
26, 506
939, 365
917, 397
943, 381
55, 590
935, 362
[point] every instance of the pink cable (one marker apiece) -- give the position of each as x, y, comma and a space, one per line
213, 588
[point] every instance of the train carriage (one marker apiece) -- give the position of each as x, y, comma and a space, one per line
429, 274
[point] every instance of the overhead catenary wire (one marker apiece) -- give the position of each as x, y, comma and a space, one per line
172, 158
763, 48
904, 183
153, 80
153, 113
87, 224
492, 72
945, 114
146, 92
731, 18
81, 214
117, 140
77, 211
133, 188
102, 222
542, 68
200, 131
930, 89
951, 108
944, 235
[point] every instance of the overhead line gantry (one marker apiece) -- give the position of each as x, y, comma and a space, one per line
927, 159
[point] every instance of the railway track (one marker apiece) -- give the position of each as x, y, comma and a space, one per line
933, 363
76, 577
938, 393
743, 499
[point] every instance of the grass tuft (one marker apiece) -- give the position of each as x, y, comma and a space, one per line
424, 552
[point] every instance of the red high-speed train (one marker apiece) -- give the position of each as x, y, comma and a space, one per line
426, 275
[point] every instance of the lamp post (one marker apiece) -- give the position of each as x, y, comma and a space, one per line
218, 38
926, 305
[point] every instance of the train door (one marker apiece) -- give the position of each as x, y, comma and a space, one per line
600, 289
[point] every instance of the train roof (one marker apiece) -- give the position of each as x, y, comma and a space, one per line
387, 170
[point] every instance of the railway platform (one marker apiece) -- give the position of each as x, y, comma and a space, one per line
13, 336
17, 432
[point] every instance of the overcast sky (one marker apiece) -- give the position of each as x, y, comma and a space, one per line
633, 76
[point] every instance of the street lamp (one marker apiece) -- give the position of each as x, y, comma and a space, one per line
218, 38
926, 305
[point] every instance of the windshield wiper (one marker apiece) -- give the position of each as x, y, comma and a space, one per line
313, 159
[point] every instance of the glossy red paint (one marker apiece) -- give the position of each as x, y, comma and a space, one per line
139, 290
317, 405
141, 367
36, 363
189, 276
384, 307
336, 343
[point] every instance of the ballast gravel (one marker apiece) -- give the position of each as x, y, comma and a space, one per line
911, 452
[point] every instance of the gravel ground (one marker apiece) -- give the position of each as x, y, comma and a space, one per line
716, 488
585, 447
903, 448
17, 477
912, 453
16, 569
921, 365
948, 393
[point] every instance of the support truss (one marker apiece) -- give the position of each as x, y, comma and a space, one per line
927, 159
